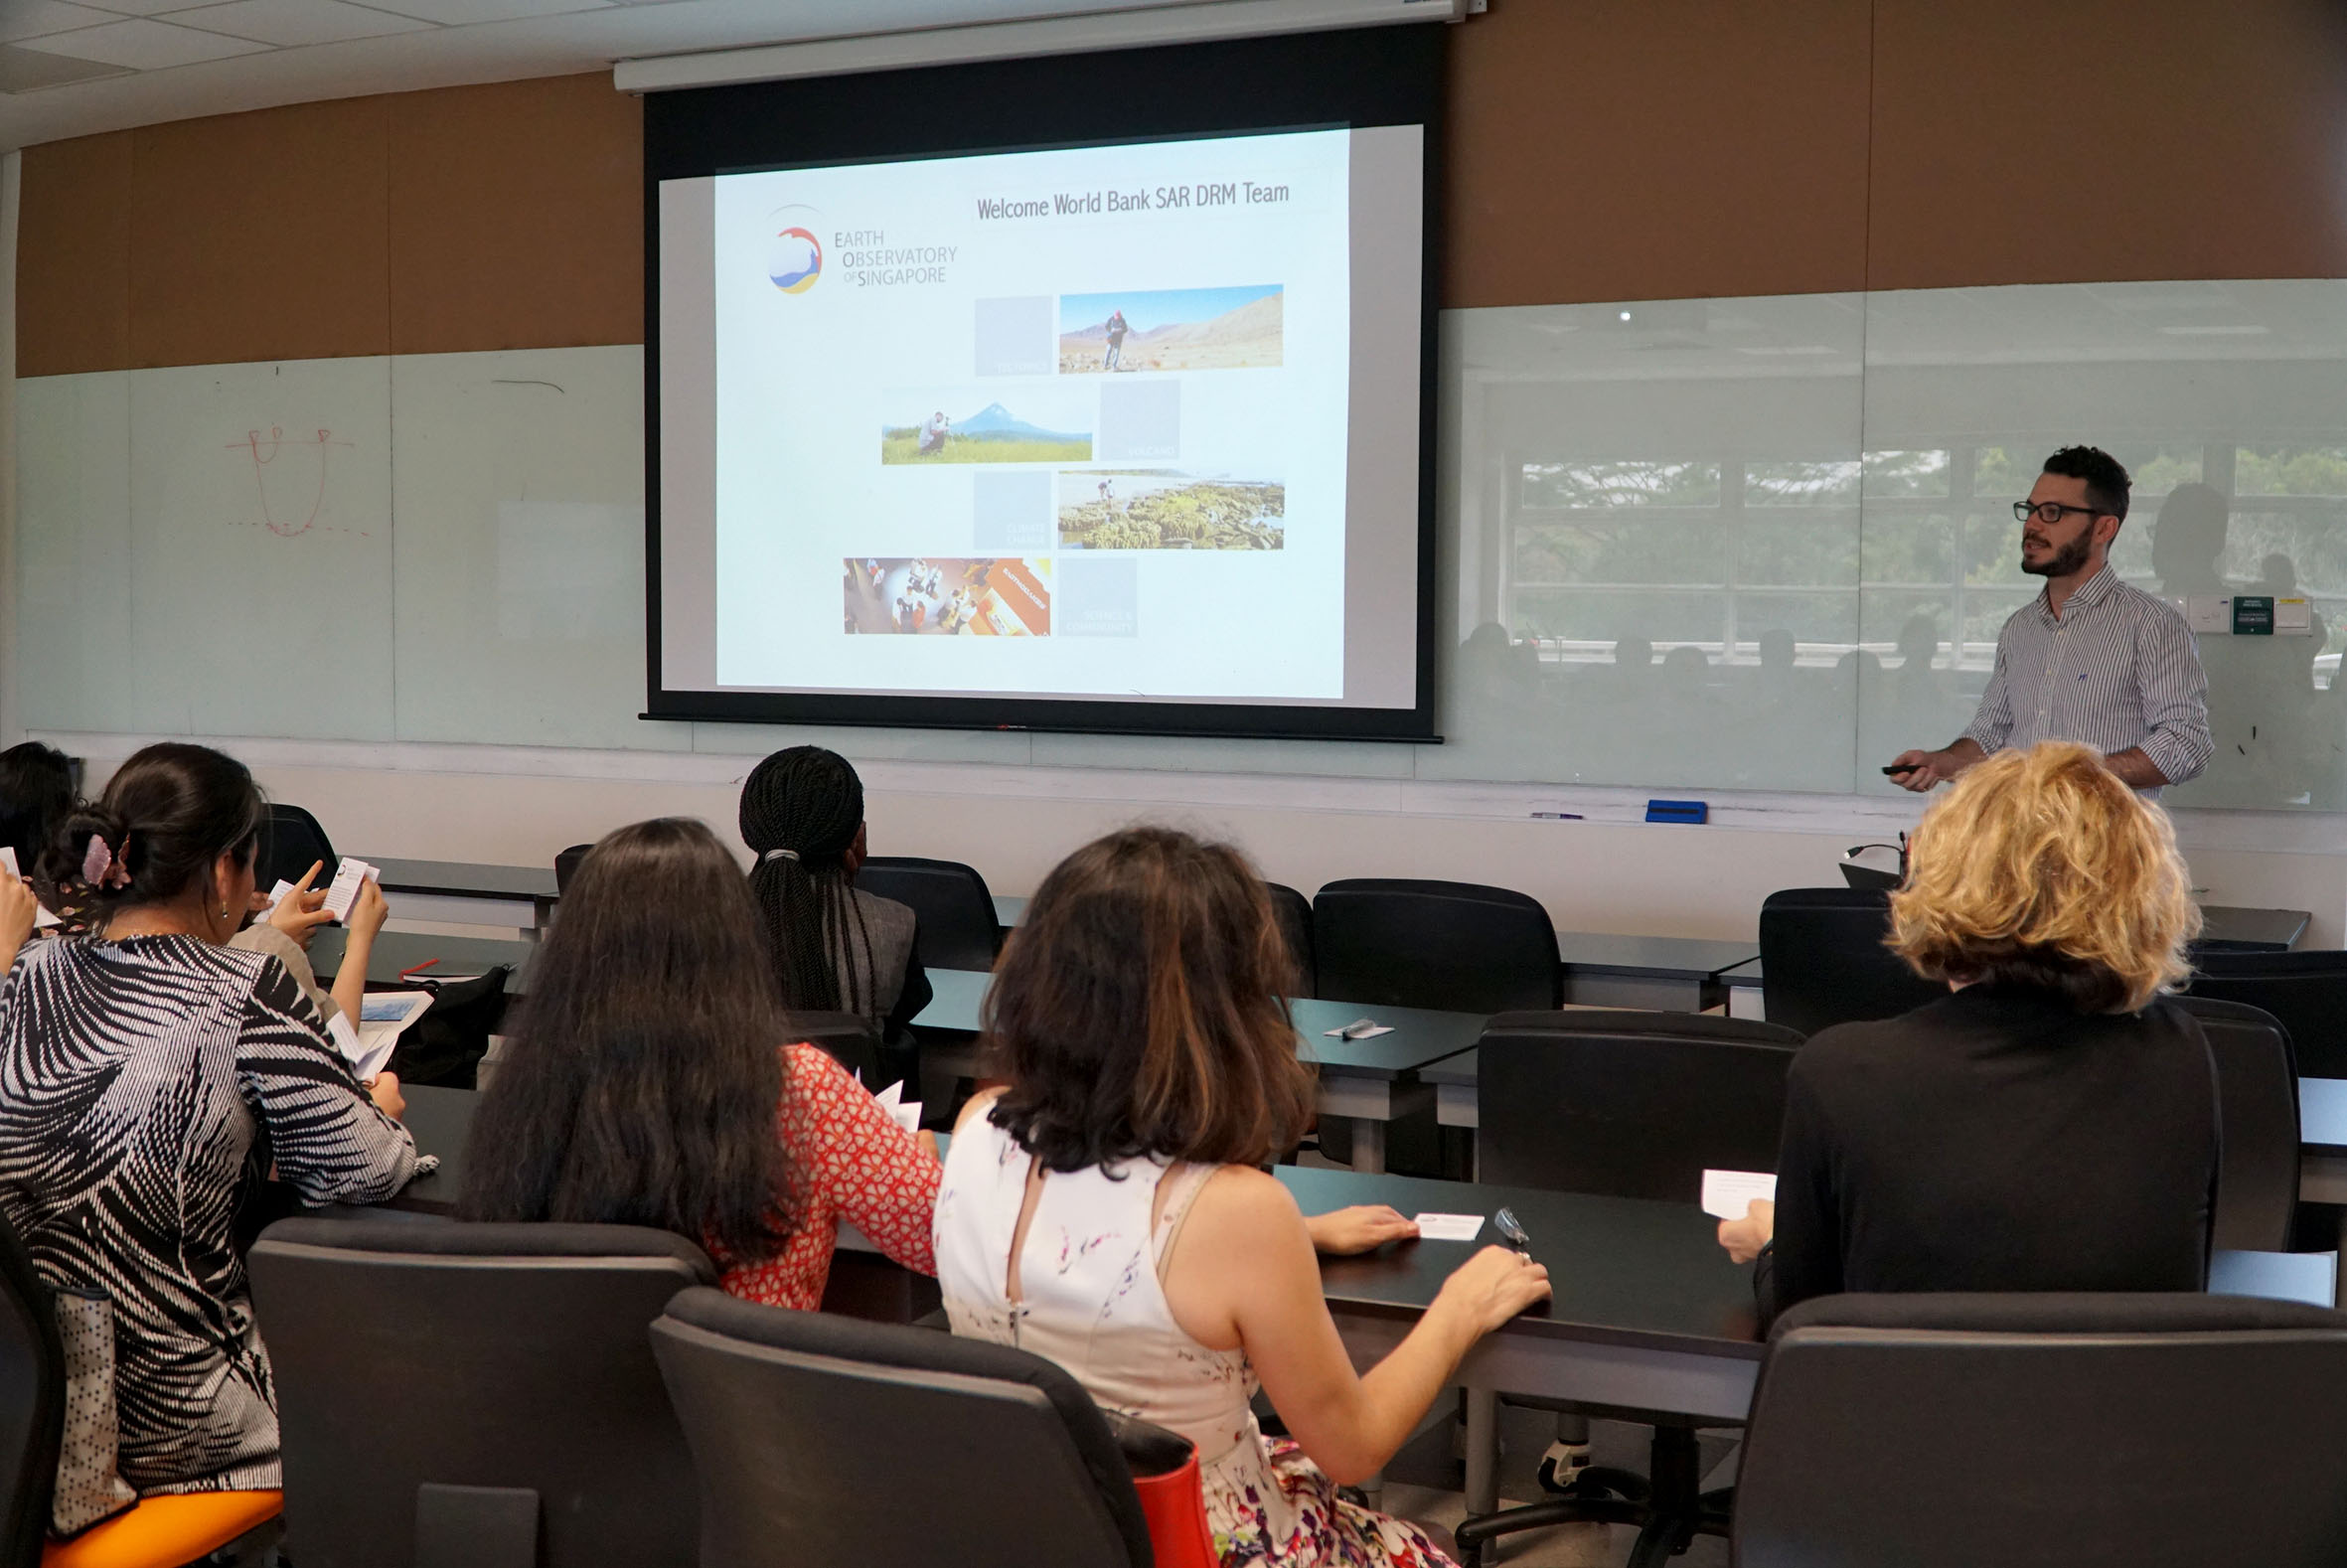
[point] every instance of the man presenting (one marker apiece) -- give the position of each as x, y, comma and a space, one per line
2091, 659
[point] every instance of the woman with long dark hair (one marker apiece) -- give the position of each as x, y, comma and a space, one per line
36, 798
1106, 1208
833, 947
149, 1073
646, 1081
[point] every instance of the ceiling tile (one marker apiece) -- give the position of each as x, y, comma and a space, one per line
23, 71
143, 45
458, 13
32, 18
289, 24
142, 7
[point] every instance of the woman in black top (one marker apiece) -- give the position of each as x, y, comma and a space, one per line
2051, 1125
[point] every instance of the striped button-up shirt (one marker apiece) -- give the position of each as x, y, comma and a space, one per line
2117, 668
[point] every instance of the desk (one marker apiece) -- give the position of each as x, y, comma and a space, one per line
2225, 927
1009, 912
1669, 973
440, 1119
459, 956
457, 892
1370, 1082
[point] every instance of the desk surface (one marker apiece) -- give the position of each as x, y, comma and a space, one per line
2323, 1115
1420, 1034
1666, 957
457, 878
460, 956
2277, 930
440, 1119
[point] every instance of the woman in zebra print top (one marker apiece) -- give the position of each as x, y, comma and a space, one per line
149, 1077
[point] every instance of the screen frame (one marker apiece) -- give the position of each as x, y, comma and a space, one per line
1354, 78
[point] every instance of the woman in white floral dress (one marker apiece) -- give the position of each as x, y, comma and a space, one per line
1104, 1211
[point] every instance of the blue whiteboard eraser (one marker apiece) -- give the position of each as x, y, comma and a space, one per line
1689, 810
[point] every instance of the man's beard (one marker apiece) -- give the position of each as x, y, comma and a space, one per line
2064, 562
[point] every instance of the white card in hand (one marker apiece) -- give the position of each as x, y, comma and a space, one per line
1448, 1227
41, 915
276, 897
892, 1101
1729, 1194
345, 891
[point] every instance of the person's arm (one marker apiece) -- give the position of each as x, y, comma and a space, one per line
2175, 689
332, 1142
368, 913
1805, 1258
1243, 1275
19, 909
877, 1175
1927, 770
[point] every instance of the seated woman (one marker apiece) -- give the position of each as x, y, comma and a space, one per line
646, 1081
148, 1075
833, 947
1104, 1209
2051, 1125
36, 798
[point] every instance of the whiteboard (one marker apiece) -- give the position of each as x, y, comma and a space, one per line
1798, 506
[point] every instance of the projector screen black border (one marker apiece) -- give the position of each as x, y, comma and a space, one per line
1358, 76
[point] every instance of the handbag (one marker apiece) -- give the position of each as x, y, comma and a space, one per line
89, 1489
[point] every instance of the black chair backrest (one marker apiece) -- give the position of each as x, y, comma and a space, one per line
2307, 991
566, 865
958, 928
1628, 1104
1823, 962
291, 842
848, 1038
413, 1360
1294, 912
31, 1402
1458, 946
1938, 1431
2257, 1111
804, 1428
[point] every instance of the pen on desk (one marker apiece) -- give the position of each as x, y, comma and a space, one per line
1558, 816
417, 968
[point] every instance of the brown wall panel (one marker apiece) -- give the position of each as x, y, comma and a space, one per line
72, 281
1652, 149
260, 236
2045, 141
516, 217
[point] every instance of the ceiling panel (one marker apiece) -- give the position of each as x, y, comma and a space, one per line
32, 18
465, 13
25, 71
144, 45
291, 23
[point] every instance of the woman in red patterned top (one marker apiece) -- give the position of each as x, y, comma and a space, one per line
642, 1083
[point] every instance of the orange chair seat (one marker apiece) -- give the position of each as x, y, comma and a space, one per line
166, 1531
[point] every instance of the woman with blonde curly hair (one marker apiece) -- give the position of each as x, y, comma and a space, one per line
2051, 1124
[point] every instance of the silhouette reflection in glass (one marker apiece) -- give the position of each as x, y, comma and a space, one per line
2276, 744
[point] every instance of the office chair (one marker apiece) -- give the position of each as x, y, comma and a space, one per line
2306, 992
1294, 912
567, 866
848, 1037
1823, 962
2258, 1112
1031, 1474
1462, 946
958, 926
1932, 1430
291, 840
1624, 1104
476, 1395
161, 1531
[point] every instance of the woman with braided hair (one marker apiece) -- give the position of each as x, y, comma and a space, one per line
836, 948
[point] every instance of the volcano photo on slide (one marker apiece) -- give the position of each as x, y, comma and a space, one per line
1171, 329
1035, 425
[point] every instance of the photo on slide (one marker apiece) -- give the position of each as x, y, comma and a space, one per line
994, 596
1160, 509
1171, 329
1037, 423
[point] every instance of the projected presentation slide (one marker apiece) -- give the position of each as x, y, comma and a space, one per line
1063, 422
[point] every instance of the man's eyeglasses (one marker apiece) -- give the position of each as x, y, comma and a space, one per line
2047, 511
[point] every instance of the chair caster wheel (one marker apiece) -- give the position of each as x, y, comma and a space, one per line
1561, 1467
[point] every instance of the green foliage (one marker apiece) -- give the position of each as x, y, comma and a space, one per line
2290, 471
903, 445
1203, 516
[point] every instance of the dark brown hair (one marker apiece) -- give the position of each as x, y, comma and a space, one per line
170, 812
799, 812
36, 798
1138, 1011
641, 1079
